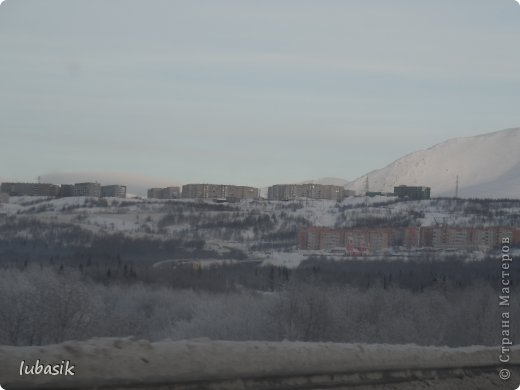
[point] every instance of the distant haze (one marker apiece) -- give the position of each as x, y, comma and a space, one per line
250, 93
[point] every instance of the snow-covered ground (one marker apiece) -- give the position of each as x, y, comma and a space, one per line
266, 230
323, 213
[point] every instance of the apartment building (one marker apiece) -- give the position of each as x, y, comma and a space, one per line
353, 239
66, 190
412, 192
30, 189
164, 193
218, 191
154, 193
203, 191
171, 192
113, 191
4, 197
284, 192
87, 189
311, 191
242, 192
454, 237
374, 239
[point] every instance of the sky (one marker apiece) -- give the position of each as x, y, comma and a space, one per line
248, 92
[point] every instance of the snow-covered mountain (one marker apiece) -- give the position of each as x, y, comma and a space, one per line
487, 165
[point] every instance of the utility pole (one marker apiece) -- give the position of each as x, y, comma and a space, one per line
457, 188
367, 189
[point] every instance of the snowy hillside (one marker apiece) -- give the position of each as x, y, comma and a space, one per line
488, 165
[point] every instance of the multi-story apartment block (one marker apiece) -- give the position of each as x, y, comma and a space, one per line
373, 239
411, 192
4, 197
154, 193
113, 191
87, 189
30, 189
171, 192
66, 190
283, 192
353, 239
164, 193
311, 191
454, 237
218, 191
242, 192
202, 191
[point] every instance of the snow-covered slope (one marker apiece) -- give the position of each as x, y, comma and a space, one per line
487, 165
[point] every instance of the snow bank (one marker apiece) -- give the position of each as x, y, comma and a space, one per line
117, 361
284, 259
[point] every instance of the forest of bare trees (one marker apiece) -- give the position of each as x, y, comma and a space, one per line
42, 306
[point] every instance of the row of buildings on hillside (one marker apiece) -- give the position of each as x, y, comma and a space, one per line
278, 192
332, 192
282, 192
310, 191
64, 190
361, 240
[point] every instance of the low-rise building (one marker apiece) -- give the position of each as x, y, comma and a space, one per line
87, 189
30, 189
113, 191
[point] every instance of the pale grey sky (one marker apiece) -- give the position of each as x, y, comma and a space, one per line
248, 92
